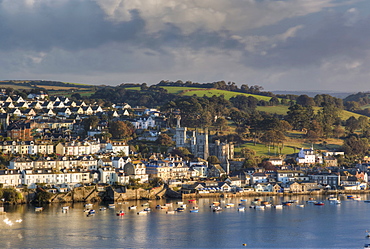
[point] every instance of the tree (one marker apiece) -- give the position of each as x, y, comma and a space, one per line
355, 146
121, 129
338, 131
164, 139
299, 116
304, 100
221, 123
91, 122
352, 124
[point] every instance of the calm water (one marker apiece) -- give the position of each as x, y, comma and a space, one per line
329, 226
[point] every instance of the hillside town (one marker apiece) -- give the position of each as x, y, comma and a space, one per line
58, 144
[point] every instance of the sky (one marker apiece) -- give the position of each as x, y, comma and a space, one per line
290, 45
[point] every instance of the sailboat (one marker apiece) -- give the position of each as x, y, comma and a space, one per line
367, 234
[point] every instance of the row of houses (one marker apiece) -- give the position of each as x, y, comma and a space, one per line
73, 148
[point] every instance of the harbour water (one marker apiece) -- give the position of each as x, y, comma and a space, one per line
328, 226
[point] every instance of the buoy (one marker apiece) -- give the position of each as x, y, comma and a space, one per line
244, 244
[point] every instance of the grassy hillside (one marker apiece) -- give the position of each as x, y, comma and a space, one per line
293, 143
200, 92
282, 110
227, 94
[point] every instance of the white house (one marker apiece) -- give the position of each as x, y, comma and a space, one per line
306, 156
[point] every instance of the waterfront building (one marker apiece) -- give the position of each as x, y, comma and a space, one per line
136, 170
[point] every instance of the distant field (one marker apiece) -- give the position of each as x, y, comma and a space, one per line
210, 92
17, 87
200, 92
68, 93
58, 87
347, 114
282, 110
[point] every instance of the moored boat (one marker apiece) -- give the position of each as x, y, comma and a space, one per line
171, 212
147, 209
180, 209
319, 203
259, 207
120, 213
241, 209
216, 209
279, 206
102, 208
194, 211
91, 212
300, 205
367, 234
111, 205
132, 207
38, 209
142, 212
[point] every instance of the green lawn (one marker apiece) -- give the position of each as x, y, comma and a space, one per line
263, 151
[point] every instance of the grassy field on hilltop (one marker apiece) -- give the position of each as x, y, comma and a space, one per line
282, 110
227, 94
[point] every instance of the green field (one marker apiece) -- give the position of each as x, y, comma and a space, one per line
282, 110
227, 94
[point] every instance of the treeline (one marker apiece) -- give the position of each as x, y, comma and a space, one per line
37, 83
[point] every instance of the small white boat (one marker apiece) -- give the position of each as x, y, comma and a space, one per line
217, 209
230, 204
367, 234
111, 205
183, 206
142, 212
88, 205
65, 209
132, 207
38, 209
102, 208
171, 212
300, 205
279, 206
335, 202
259, 207
357, 198
241, 209
180, 202
145, 204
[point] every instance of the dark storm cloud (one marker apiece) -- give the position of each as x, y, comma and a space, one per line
73, 25
334, 38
